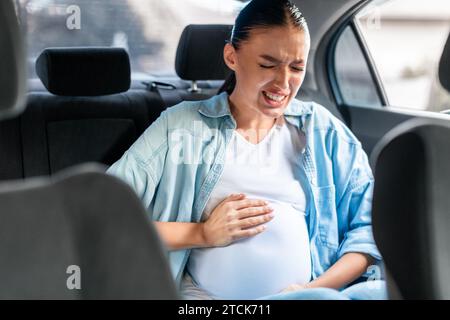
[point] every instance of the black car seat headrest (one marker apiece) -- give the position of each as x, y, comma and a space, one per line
89, 71
200, 52
444, 66
12, 62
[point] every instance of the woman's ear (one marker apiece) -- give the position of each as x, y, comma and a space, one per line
229, 56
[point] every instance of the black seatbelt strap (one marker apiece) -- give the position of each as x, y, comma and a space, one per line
168, 92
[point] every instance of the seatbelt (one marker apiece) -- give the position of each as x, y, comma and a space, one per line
168, 92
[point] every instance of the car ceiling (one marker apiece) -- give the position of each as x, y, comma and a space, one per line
325, 13
321, 15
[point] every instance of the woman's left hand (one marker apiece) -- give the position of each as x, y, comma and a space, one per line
294, 287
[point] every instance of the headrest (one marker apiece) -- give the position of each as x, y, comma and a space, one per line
200, 52
444, 66
90, 71
12, 62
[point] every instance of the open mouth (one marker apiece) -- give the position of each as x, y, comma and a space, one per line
273, 99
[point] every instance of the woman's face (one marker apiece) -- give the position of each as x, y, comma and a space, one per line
269, 67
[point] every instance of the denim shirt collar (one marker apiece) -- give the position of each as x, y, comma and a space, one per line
218, 106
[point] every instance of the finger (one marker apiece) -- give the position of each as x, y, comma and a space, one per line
247, 233
234, 197
254, 221
253, 211
245, 203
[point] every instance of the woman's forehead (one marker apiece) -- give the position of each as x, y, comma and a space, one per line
281, 43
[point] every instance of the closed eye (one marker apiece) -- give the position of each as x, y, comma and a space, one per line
265, 66
298, 69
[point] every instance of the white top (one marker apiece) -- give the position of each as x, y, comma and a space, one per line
276, 258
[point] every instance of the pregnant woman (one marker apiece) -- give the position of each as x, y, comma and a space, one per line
258, 195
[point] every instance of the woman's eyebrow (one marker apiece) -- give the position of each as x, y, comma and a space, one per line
275, 60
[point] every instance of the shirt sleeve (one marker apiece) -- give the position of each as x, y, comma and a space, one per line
355, 208
142, 165
136, 175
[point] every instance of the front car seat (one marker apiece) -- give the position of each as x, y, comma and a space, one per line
444, 66
410, 215
12, 63
79, 220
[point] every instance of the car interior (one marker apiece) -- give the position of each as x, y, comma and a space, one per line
59, 134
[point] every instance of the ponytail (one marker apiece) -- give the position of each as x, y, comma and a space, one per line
229, 84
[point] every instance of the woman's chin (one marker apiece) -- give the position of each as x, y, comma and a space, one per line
272, 112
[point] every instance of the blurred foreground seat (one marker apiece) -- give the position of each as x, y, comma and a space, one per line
80, 228
411, 209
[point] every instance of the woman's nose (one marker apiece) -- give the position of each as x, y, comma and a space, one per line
282, 79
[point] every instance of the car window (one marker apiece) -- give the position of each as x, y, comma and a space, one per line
354, 79
148, 29
405, 39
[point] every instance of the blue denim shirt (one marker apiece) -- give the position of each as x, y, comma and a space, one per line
175, 164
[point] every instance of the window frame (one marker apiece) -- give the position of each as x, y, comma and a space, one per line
374, 74
325, 55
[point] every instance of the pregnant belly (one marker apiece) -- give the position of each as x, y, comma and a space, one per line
257, 266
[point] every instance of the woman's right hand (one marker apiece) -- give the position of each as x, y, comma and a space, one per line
236, 217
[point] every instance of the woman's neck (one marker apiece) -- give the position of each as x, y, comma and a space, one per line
247, 118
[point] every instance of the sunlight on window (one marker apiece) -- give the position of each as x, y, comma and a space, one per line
406, 39
148, 29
